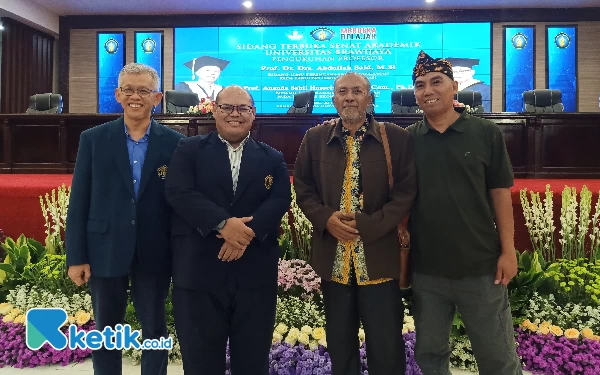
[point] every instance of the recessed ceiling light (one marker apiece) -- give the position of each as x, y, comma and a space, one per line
247, 4
429, 1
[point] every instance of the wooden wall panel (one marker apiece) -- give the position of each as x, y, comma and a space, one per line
27, 65
588, 56
588, 66
83, 85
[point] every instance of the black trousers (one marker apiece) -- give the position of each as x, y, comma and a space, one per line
380, 308
205, 320
109, 301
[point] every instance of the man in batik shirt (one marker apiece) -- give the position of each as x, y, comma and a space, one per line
341, 182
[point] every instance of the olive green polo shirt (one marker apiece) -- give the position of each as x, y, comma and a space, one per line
452, 223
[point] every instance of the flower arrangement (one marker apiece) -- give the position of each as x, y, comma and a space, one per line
54, 210
569, 315
14, 352
579, 235
461, 353
295, 239
557, 352
286, 358
25, 297
576, 281
206, 107
297, 312
297, 278
460, 107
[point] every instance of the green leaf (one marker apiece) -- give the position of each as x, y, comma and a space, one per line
8, 268
8, 244
526, 260
36, 249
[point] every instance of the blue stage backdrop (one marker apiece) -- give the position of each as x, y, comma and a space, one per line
276, 62
562, 63
111, 59
519, 68
149, 51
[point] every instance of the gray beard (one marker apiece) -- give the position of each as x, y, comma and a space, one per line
351, 115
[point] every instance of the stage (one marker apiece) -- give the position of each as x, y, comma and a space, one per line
20, 210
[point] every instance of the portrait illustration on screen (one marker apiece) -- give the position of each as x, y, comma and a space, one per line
205, 72
464, 74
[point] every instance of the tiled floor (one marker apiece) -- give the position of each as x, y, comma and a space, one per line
128, 369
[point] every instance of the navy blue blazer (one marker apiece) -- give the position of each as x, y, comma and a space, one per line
105, 222
200, 189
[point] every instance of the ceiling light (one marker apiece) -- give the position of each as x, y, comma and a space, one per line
247, 4
429, 1
1, 27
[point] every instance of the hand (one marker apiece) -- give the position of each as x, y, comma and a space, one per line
237, 233
80, 274
404, 236
349, 219
331, 122
507, 267
229, 252
339, 229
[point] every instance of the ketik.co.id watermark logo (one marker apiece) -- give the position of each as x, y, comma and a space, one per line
43, 326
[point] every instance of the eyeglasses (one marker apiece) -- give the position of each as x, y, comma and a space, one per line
144, 93
228, 108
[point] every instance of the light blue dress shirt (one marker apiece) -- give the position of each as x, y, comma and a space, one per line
137, 155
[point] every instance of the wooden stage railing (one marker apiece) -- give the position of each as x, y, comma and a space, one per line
552, 145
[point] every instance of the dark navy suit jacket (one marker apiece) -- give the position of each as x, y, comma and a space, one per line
106, 224
200, 190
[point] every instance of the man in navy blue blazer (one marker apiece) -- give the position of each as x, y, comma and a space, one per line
118, 221
229, 193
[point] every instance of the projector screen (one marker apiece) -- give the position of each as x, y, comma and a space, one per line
276, 62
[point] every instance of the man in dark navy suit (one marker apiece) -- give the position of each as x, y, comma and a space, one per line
118, 222
228, 193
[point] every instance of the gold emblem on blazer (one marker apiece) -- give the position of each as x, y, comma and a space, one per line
268, 181
162, 171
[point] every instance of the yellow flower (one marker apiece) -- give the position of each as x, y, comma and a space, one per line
291, 340
281, 328
556, 331
318, 333
571, 333
323, 342
5, 308
15, 311
361, 334
587, 333
306, 329
313, 344
294, 333
276, 337
303, 338
8, 318
525, 324
596, 338
81, 318
544, 329
533, 327
20, 319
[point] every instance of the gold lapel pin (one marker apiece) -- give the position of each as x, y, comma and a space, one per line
268, 181
162, 171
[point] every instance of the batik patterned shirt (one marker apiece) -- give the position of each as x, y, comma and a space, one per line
350, 265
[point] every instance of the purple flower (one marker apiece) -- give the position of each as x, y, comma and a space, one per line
548, 354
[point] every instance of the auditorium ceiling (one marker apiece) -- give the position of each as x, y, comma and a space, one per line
157, 7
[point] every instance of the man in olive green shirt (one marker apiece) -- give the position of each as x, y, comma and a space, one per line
461, 225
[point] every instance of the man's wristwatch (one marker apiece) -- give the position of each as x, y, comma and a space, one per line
221, 225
